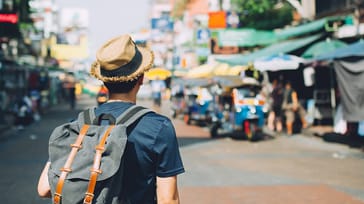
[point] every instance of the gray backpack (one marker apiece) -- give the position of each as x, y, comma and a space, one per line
86, 157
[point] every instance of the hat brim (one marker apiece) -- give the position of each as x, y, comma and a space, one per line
145, 65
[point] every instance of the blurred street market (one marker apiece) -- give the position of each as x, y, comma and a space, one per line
267, 97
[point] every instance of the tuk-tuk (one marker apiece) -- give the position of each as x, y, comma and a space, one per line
239, 110
177, 97
198, 100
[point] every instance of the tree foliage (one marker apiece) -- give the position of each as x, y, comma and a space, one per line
178, 8
263, 14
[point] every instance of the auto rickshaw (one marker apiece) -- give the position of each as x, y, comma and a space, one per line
239, 110
198, 100
177, 97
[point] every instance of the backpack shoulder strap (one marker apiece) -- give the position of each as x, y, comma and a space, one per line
67, 166
87, 116
132, 114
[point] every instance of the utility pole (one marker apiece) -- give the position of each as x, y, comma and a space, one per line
358, 15
306, 9
297, 5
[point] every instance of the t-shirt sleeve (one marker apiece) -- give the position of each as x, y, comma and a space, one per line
169, 161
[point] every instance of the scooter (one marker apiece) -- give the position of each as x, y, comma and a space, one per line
102, 96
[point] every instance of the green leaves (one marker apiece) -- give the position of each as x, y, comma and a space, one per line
262, 14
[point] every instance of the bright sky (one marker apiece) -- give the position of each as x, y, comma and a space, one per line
111, 17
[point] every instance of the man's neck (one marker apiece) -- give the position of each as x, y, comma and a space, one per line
127, 97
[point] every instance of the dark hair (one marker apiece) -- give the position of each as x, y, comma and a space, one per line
121, 87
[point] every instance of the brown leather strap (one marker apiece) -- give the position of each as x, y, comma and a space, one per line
95, 170
67, 166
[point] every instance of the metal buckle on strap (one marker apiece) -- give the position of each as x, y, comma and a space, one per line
66, 169
99, 171
100, 148
88, 198
57, 198
76, 146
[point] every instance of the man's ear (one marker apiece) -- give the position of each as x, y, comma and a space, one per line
141, 79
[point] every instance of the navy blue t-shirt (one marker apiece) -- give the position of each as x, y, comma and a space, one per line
152, 150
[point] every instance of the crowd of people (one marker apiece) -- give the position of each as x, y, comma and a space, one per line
285, 108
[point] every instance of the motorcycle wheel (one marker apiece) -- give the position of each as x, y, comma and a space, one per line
187, 119
213, 130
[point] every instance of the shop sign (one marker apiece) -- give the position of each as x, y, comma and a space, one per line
245, 37
162, 24
217, 19
232, 20
8, 18
203, 36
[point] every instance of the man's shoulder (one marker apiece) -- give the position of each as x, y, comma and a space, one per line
157, 117
118, 109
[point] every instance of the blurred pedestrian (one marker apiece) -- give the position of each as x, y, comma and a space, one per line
23, 112
151, 159
177, 98
276, 100
292, 108
3, 101
158, 86
44, 85
70, 86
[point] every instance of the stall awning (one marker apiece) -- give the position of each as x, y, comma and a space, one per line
202, 71
248, 37
221, 69
353, 50
323, 47
245, 37
158, 73
302, 29
307, 28
281, 47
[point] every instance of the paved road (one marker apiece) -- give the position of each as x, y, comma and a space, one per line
298, 169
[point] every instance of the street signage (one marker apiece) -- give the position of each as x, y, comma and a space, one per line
8, 18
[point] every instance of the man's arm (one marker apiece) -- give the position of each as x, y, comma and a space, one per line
294, 100
44, 189
167, 191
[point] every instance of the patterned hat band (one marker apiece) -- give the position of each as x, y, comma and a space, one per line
126, 69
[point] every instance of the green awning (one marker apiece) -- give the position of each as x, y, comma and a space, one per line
249, 37
281, 47
245, 37
301, 29
323, 47
307, 28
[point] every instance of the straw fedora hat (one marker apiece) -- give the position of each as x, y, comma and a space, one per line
121, 60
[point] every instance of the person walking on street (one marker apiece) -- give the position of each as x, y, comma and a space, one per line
158, 86
151, 159
291, 106
275, 114
70, 86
